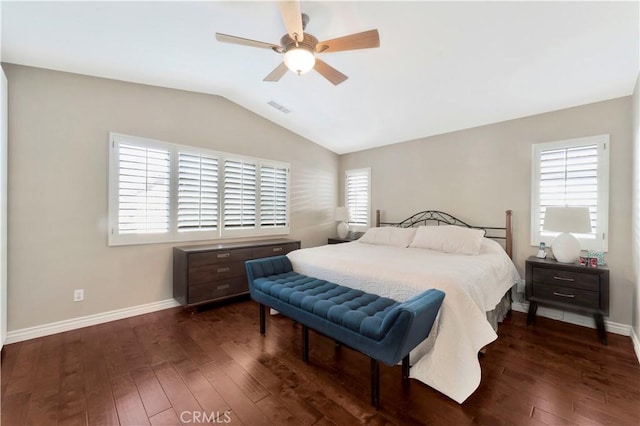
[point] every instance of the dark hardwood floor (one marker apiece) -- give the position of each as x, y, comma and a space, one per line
172, 366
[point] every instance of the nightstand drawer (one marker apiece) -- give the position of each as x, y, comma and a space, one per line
573, 279
567, 295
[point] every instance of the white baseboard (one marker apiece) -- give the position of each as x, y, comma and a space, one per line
636, 342
570, 317
20, 335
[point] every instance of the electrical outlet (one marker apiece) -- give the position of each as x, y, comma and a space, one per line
78, 295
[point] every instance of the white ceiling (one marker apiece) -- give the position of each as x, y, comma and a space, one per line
441, 66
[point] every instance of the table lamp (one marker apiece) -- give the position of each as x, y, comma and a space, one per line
567, 221
342, 215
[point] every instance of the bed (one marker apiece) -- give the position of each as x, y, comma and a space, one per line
396, 260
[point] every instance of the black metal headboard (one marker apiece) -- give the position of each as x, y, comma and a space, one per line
437, 217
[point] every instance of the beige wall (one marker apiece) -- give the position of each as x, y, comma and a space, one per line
635, 251
58, 153
477, 174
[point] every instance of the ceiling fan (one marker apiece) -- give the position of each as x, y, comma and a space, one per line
300, 48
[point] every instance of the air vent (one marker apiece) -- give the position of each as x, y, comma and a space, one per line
279, 107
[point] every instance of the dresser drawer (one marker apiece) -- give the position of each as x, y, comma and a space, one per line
218, 289
221, 271
275, 250
220, 256
567, 295
573, 279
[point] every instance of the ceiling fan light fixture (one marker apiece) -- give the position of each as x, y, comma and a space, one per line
299, 60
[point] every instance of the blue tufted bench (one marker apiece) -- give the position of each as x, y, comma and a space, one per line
382, 328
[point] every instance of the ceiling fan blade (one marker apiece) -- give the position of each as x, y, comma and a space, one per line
363, 40
225, 38
329, 72
277, 73
292, 17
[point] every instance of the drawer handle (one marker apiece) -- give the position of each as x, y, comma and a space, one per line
564, 279
223, 287
570, 296
276, 249
221, 270
223, 255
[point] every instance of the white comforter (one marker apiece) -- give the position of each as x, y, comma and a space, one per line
473, 285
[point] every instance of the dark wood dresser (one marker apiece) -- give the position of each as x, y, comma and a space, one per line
209, 273
569, 287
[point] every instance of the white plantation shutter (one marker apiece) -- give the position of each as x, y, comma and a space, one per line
143, 189
274, 182
572, 173
569, 177
163, 192
357, 194
239, 194
197, 192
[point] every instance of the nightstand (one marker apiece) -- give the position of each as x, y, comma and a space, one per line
568, 287
351, 236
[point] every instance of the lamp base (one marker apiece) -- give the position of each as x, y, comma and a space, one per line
343, 230
566, 248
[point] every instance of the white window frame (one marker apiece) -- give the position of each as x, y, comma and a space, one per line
258, 230
174, 235
273, 165
366, 171
246, 230
115, 238
599, 239
188, 235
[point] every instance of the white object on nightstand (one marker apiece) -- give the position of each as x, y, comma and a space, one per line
342, 215
568, 221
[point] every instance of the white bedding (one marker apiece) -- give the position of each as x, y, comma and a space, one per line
472, 284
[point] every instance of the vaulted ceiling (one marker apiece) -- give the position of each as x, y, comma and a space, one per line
441, 66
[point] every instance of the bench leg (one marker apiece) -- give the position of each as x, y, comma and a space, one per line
375, 383
305, 343
405, 368
262, 320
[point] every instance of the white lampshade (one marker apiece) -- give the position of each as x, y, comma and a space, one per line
342, 214
576, 220
299, 60
567, 220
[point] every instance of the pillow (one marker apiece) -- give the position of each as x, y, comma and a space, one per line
448, 239
389, 236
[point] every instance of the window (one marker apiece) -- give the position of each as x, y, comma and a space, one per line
273, 196
357, 197
143, 189
197, 192
162, 192
239, 195
572, 173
